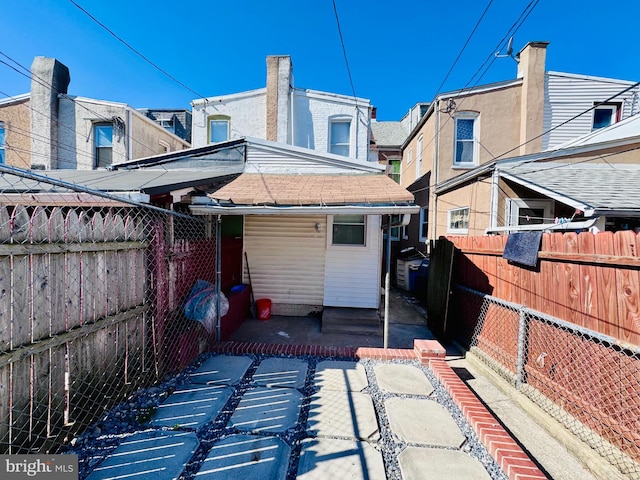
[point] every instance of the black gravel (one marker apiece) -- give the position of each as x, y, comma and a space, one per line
130, 417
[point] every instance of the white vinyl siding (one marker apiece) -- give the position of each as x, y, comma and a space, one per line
568, 95
352, 273
286, 257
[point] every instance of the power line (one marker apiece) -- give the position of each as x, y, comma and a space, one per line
464, 47
137, 52
344, 51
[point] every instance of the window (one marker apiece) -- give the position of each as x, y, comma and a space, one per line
466, 147
409, 156
424, 224
348, 230
2, 143
218, 126
605, 115
168, 124
394, 170
419, 157
395, 231
529, 212
458, 220
103, 143
340, 137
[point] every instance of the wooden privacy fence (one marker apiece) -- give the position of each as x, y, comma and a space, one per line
588, 280
88, 301
566, 332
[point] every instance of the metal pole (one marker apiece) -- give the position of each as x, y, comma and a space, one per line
387, 285
218, 277
522, 334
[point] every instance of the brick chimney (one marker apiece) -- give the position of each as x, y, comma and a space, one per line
531, 68
279, 84
49, 78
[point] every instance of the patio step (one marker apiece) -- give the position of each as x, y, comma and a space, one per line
360, 321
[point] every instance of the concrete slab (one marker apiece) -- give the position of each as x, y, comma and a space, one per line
264, 409
402, 379
281, 372
246, 457
191, 406
423, 422
148, 456
343, 414
222, 370
345, 376
323, 458
439, 464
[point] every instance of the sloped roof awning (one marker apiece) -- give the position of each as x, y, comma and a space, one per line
265, 194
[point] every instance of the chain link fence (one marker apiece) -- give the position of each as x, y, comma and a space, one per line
92, 290
588, 382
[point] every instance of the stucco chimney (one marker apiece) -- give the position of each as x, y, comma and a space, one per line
49, 78
279, 84
531, 68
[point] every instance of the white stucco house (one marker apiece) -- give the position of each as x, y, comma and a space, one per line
280, 112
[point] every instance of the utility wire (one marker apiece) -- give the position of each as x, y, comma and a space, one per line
344, 51
137, 52
455, 62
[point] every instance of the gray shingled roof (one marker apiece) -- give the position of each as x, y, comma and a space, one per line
388, 134
600, 186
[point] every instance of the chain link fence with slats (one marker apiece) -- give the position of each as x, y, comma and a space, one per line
587, 381
92, 291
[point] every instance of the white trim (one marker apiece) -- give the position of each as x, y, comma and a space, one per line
341, 246
211, 209
335, 120
424, 218
513, 206
475, 116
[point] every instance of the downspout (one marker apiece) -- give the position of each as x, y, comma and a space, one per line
291, 118
129, 135
356, 132
387, 286
436, 149
493, 213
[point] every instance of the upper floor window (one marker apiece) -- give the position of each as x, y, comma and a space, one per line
466, 140
340, 137
103, 144
2, 143
218, 128
348, 230
409, 156
605, 114
419, 157
523, 211
394, 170
458, 220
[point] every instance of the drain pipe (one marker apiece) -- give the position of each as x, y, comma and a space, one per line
387, 286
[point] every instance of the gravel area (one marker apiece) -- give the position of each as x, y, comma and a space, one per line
128, 418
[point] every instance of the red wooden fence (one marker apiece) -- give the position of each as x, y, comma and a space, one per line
589, 280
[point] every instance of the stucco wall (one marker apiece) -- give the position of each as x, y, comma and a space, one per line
17, 126
476, 196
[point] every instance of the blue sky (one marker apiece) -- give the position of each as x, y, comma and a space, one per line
399, 52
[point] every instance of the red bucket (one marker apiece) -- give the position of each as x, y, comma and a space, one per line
263, 306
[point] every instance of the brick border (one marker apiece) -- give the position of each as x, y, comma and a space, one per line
501, 446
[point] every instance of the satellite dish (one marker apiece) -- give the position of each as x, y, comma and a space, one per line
509, 51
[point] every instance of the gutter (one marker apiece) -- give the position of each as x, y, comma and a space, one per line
213, 209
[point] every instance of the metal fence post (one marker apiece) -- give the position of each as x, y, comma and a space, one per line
522, 339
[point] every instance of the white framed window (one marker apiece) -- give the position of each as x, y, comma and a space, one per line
103, 144
458, 220
394, 169
395, 231
419, 157
349, 230
424, 224
523, 211
218, 128
168, 124
3, 143
409, 156
465, 151
605, 115
340, 136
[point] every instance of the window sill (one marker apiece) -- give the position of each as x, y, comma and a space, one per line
460, 231
463, 166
